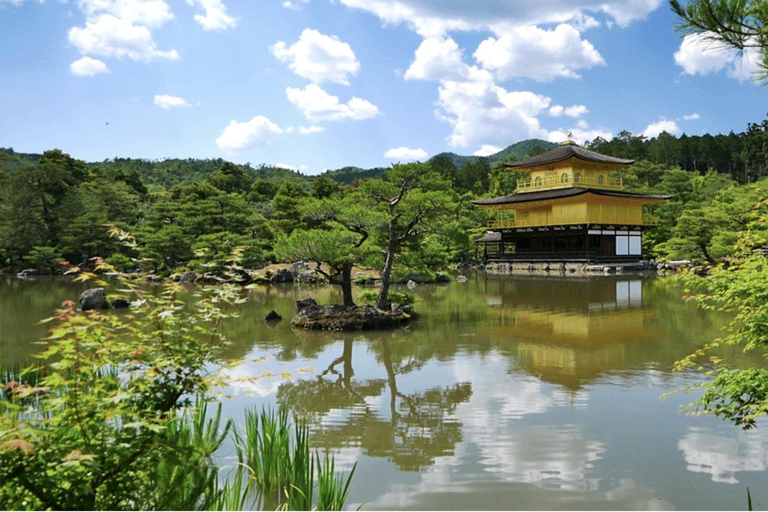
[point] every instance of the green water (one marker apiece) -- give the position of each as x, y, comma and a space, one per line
515, 392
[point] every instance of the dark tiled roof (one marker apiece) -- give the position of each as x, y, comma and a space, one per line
560, 193
565, 152
490, 237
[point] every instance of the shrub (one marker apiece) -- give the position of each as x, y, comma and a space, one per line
402, 298
120, 262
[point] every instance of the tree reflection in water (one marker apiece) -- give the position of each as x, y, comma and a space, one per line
417, 428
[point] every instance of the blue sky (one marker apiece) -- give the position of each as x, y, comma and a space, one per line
320, 84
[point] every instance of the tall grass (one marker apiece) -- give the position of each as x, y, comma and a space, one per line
282, 471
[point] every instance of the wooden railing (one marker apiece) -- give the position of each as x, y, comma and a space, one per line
647, 220
556, 181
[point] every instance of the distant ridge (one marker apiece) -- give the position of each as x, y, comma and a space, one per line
518, 150
164, 174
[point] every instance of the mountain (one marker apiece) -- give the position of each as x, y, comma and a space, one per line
163, 174
518, 150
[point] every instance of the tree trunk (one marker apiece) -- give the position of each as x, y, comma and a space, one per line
346, 284
705, 252
386, 274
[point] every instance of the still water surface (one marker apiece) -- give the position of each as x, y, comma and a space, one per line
514, 392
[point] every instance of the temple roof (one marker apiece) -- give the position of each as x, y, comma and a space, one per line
564, 152
559, 193
490, 236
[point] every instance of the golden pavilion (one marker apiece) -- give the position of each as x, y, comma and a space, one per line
569, 210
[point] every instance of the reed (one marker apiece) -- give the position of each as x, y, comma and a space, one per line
282, 470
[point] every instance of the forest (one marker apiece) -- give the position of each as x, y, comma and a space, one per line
192, 214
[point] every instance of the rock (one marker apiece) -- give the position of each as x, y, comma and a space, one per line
416, 278
461, 279
188, 277
442, 278
299, 267
28, 272
411, 285
305, 303
120, 303
272, 316
283, 275
354, 318
95, 298
311, 277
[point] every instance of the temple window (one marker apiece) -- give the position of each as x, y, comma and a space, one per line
537, 181
600, 180
564, 178
577, 177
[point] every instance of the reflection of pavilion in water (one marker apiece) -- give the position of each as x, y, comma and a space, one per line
570, 335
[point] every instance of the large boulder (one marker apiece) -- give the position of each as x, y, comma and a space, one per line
442, 279
311, 277
283, 275
299, 267
305, 303
120, 304
273, 316
353, 318
95, 298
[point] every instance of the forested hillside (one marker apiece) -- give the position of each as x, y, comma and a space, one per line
193, 213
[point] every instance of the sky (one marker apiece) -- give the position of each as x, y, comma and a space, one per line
322, 84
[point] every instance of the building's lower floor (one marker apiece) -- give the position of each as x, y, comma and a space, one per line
571, 243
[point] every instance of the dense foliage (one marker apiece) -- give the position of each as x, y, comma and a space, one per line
191, 214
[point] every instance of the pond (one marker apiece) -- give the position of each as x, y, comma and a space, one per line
510, 392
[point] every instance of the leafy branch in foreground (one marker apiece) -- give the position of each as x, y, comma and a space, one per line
100, 428
737, 395
107, 421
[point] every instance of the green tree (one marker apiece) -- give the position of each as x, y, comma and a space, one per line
230, 178
738, 24
413, 201
324, 187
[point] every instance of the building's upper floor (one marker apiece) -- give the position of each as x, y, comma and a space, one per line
569, 165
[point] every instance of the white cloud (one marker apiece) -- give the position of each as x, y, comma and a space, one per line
255, 133
543, 55
308, 130
88, 67
284, 166
692, 117
437, 59
579, 135
487, 150
150, 13
582, 124
109, 36
481, 112
295, 5
318, 57
556, 110
664, 125
167, 102
318, 105
698, 55
576, 111
404, 153
430, 18
572, 111
215, 17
